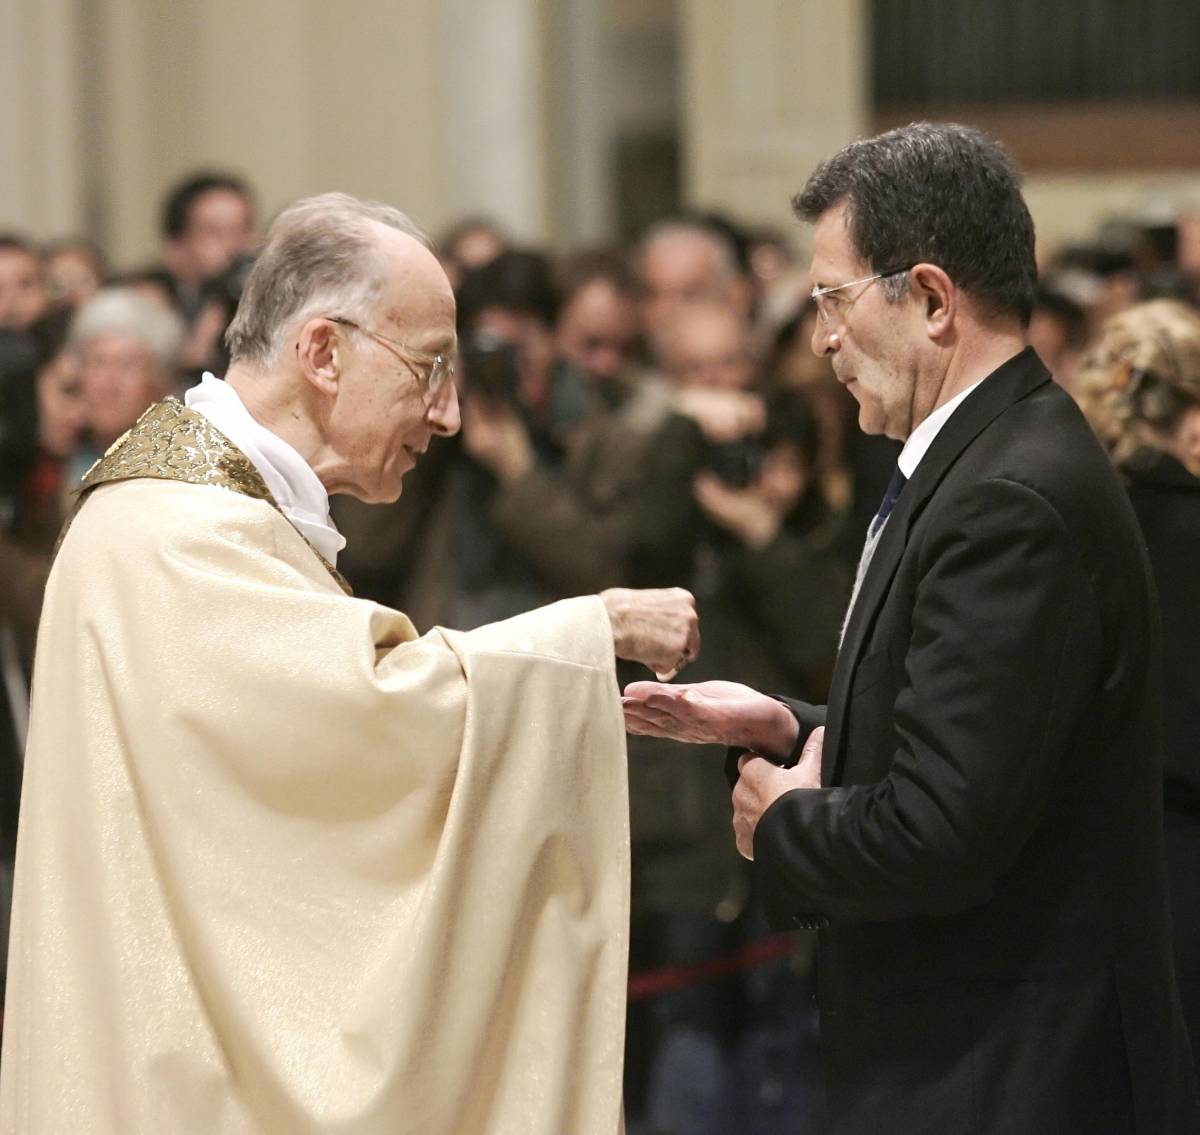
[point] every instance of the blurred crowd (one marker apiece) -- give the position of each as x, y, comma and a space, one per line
650, 415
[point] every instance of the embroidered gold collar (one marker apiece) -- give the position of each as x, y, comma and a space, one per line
169, 442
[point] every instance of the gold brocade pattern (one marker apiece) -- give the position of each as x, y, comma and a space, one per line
170, 442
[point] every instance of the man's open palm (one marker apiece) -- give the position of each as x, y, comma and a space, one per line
722, 713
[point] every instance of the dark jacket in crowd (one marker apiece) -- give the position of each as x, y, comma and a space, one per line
1166, 498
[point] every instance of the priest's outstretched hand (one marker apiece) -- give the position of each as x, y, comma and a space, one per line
722, 713
659, 628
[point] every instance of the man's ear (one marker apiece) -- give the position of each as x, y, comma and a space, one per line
318, 352
935, 290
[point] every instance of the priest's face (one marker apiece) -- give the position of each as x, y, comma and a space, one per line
391, 403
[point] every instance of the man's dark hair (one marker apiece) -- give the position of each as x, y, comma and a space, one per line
1066, 312
178, 206
14, 242
585, 267
50, 334
519, 282
447, 241
18, 416
732, 233
941, 193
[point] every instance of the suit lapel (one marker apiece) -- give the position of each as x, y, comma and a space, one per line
1001, 389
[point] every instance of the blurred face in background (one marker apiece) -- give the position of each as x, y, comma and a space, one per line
678, 269
471, 248
477, 247
220, 228
61, 412
119, 377
73, 275
1189, 249
708, 345
1049, 336
22, 290
597, 330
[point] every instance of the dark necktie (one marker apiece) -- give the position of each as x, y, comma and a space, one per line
894, 489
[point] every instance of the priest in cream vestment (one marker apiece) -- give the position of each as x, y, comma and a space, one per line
284, 865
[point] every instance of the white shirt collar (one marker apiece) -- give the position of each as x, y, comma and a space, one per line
922, 437
296, 488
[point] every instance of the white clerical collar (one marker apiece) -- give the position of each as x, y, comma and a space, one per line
296, 488
922, 437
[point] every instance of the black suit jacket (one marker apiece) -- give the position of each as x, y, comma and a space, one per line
987, 855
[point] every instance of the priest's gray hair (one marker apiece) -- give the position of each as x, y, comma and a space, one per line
125, 311
320, 258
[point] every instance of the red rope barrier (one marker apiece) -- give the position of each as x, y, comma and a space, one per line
650, 983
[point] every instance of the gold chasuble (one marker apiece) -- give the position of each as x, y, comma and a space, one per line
285, 866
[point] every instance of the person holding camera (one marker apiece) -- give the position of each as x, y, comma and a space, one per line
733, 483
731, 508
567, 488
207, 229
521, 404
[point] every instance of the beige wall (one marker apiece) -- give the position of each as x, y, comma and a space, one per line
438, 106
443, 107
300, 96
1069, 208
774, 86
41, 177
771, 88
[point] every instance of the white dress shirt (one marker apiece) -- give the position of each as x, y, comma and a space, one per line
922, 437
296, 488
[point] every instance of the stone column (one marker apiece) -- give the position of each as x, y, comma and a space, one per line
41, 182
496, 127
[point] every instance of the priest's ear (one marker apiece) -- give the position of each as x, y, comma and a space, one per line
937, 295
319, 350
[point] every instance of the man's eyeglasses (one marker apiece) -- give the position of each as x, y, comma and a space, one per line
432, 371
830, 304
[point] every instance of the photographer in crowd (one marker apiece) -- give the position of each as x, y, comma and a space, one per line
22, 283
730, 505
208, 236
598, 329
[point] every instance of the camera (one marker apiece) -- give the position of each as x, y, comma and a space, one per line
737, 463
490, 366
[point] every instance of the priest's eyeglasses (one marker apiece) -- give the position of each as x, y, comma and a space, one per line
831, 306
432, 371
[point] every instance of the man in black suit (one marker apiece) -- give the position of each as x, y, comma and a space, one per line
975, 820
